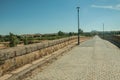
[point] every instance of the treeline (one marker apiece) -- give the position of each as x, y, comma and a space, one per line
14, 39
106, 33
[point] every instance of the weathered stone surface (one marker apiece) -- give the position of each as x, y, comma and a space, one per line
46, 45
20, 51
34, 47
18, 56
54, 42
40, 46
28, 49
2, 55
18, 61
51, 43
8, 65
36, 55
6, 54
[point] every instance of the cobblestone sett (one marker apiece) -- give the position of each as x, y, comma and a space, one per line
95, 59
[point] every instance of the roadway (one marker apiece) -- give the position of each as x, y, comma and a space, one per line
95, 59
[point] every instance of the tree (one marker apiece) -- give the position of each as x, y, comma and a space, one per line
60, 33
81, 31
25, 40
71, 33
13, 40
1, 38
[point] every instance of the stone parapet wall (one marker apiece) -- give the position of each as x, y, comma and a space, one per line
15, 57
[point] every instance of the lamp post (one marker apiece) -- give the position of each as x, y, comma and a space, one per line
103, 30
78, 26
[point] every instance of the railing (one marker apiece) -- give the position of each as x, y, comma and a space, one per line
113, 39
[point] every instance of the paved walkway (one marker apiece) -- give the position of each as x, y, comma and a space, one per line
95, 59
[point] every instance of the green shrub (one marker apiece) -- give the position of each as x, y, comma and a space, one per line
13, 40
25, 40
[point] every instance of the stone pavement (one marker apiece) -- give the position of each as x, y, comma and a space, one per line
95, 59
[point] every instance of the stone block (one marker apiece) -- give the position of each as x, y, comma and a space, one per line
37, 55
24, 59
30, 57
57, 42
50, 50
51, 43
40, 53
8, 65
7, 54
44, 53
2, 55
34, 47
20, 51
28, 49
46, 45
18, 61
54, 42
47, 51
40, 46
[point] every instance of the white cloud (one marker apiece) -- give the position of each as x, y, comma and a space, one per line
116, 7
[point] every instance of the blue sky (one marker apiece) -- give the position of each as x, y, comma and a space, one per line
50, 16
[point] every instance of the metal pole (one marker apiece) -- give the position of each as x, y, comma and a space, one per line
78, 26
103, 30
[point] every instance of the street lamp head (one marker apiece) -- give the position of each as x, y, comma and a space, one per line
78, 7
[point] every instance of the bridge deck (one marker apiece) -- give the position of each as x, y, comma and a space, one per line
95, 59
